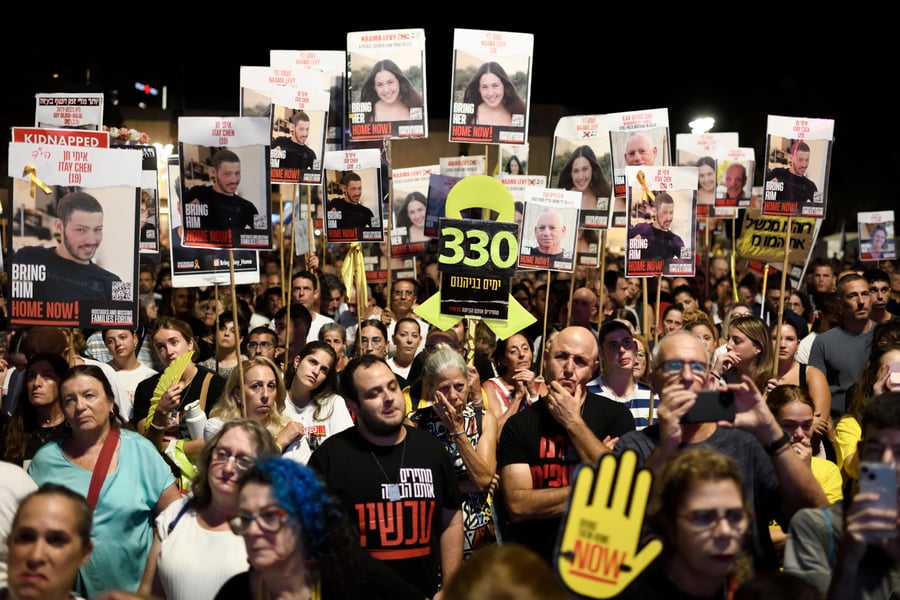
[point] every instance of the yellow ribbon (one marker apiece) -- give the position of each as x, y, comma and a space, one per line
645, 191
31, 173
353, 271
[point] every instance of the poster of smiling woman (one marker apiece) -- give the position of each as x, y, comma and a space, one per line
876, 235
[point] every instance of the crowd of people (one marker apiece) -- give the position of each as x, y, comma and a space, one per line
278, 440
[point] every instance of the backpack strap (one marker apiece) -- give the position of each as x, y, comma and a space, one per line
204, 389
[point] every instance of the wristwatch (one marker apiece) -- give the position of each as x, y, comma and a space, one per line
773, 448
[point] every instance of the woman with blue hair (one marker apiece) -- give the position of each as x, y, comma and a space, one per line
299, 541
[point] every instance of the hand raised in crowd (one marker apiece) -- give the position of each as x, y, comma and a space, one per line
751, 412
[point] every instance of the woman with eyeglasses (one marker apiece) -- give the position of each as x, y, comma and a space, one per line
372, 338
699, 512
197, 525
642, 360
131, 487
300, 543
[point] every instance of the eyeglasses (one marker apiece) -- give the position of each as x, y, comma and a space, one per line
708, 518
374, 341
255, 345
409, 293
222, 456
640, 355
270, 520
671, 367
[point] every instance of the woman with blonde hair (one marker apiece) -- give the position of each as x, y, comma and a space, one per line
749, 351
263, 394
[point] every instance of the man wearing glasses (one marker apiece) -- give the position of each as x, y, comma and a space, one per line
262, 341
541, 446
777, 482
619, 349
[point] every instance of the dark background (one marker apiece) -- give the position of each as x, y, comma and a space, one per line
585, 60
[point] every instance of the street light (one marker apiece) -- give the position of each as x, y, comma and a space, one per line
702, 124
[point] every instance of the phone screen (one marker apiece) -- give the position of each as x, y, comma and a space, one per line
711, 406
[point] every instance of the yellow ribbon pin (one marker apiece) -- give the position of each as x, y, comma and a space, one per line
645, 191
31, 173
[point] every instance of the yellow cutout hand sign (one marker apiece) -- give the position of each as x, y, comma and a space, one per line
598, 555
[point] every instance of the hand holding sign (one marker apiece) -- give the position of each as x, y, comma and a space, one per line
598, 554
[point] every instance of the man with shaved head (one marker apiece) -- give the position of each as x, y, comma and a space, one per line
541, 446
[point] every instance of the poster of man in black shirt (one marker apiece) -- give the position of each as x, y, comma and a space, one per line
348, 219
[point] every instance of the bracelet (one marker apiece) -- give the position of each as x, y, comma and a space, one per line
778, 445
155, 426
457, 433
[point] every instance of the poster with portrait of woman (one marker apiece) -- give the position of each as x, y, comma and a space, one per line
410, 205
636, 138
876, 235
661, 221
490, 86
580, 162
512, 159
700, 150
386, 79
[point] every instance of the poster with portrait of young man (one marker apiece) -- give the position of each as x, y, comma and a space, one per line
226, 197
661, 208
75, 235
299, 115
353, 196
798, 162
333, 65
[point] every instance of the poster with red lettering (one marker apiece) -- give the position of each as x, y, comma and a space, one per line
549, 227
409, 205
736, 167
661, 218
353, 196
636, 138
490, 86
386, 79
333, 65
299, 117
202, 266
700, 150
798, 162
581, 162
74, 235
226, 197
